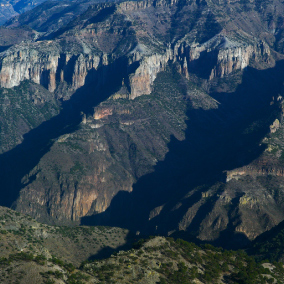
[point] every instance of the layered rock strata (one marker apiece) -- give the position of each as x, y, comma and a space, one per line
50, 69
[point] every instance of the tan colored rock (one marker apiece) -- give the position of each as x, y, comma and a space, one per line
275, 126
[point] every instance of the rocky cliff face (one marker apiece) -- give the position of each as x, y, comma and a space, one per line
30, 63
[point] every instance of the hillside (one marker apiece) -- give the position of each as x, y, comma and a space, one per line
36, 253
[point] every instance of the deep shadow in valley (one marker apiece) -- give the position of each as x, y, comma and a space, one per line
269, 245
105, 252
19, 161
216, 140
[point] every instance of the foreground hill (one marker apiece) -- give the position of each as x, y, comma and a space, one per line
73, 245
36, 253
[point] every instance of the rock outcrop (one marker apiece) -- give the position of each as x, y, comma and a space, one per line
264, 166
32, 64
42, 62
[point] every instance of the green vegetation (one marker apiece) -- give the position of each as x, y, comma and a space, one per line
23, 108
182, 262
168, 261
77, 168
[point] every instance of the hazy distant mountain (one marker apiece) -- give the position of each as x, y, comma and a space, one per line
9, 9
51, 15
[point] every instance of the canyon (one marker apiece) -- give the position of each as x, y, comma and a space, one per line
163, 117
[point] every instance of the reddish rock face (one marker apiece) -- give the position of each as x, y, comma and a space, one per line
102, 113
